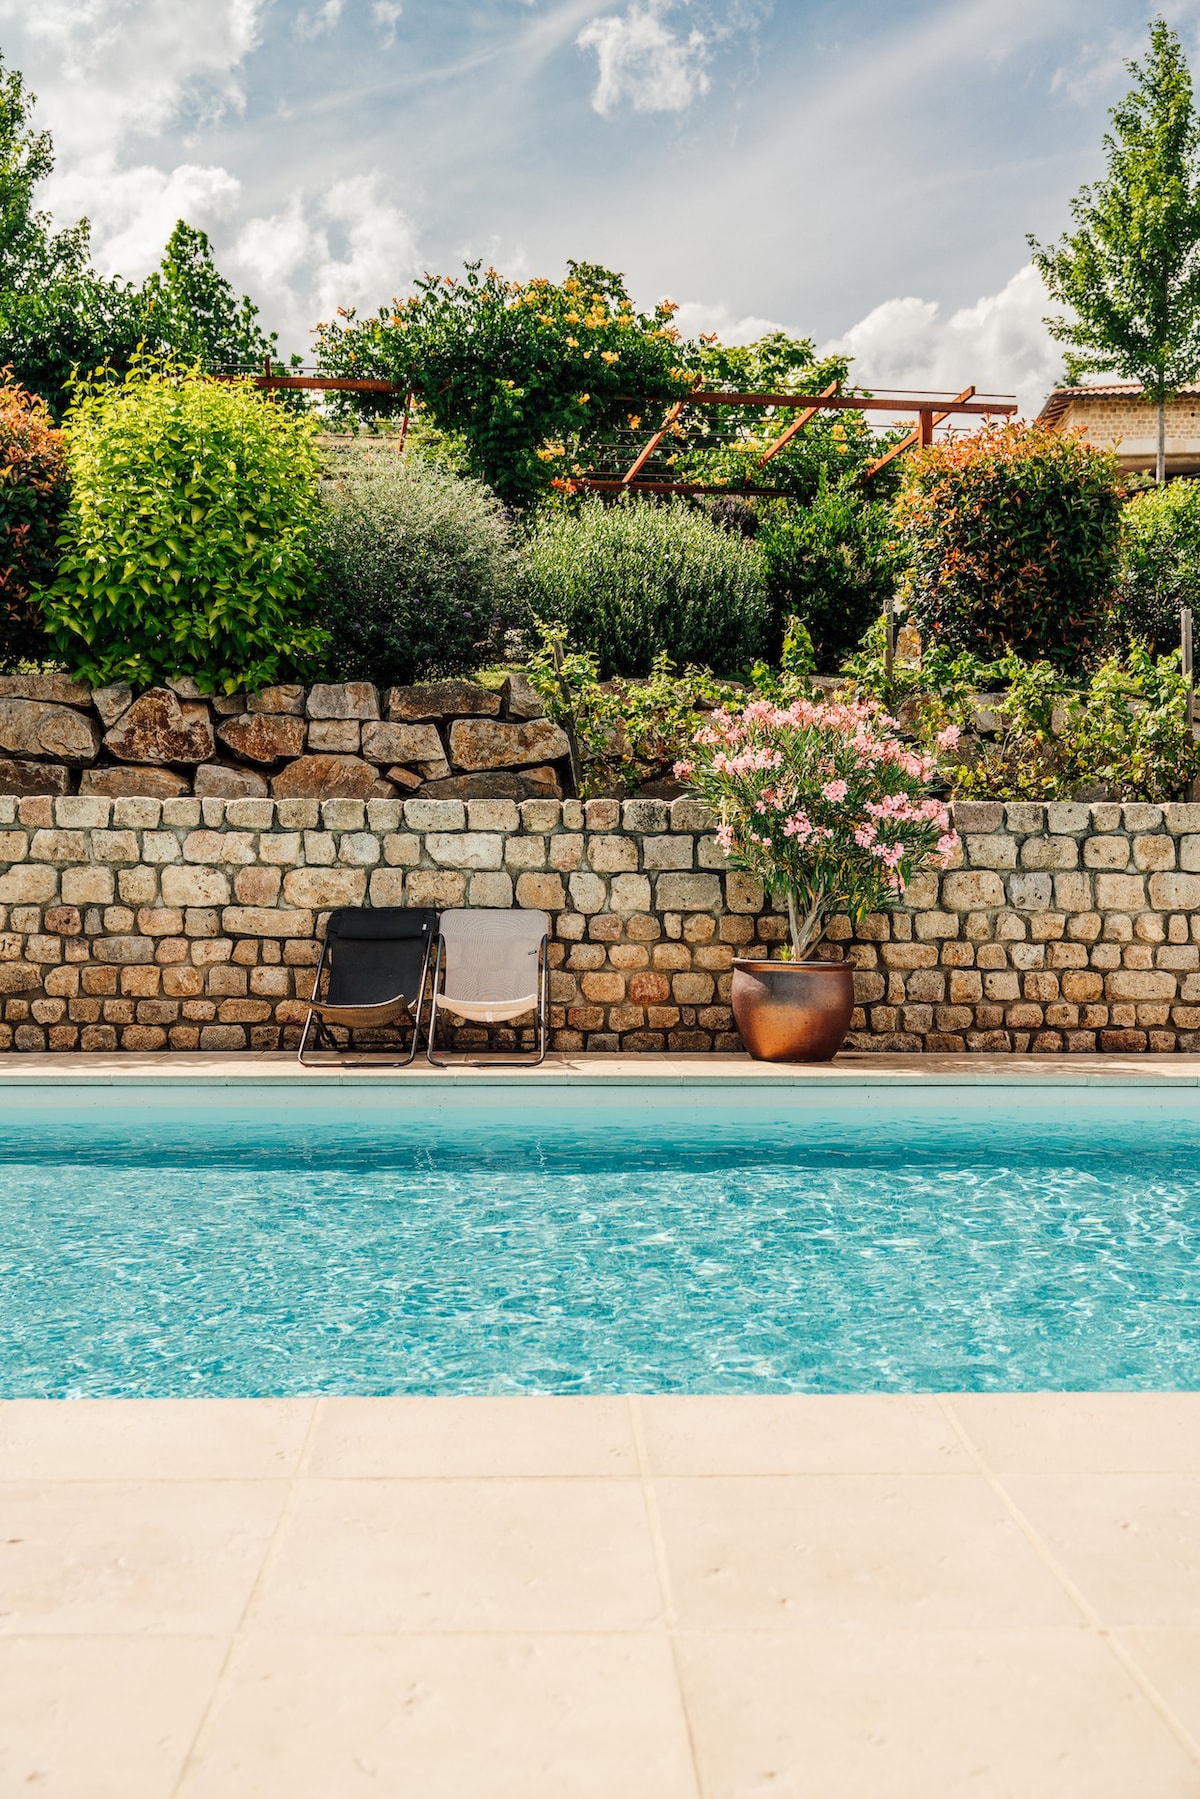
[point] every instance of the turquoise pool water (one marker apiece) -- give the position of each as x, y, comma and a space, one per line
158, 1244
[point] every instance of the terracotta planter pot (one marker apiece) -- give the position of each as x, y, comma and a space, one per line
793, 1011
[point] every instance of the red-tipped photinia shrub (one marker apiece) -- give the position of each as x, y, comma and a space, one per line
824, 803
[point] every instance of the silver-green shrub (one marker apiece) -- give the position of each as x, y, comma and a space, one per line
638, 579
417, 568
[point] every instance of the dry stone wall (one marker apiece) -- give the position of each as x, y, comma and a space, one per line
138, 923
343, 740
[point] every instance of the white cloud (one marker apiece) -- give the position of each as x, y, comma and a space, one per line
1000, 344
386, 14
641, 60
134, 210
325, 18
350, 246
119, 68
696, 318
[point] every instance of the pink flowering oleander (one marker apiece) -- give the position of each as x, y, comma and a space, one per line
824, 802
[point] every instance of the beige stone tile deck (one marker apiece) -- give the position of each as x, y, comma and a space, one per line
655, 1598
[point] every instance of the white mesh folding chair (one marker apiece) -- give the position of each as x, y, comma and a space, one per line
491, 967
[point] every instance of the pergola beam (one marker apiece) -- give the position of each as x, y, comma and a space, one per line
798, 425
923, 434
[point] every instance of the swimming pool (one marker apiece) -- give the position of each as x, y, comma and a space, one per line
176, 1240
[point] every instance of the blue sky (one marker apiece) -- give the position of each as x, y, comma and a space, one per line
862, 171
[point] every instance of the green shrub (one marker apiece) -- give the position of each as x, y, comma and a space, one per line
637, 580
832, 564
1012, 536
32, 496
1160, 563
187, 541
417, 569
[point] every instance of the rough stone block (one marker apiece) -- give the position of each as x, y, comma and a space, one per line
448, 699
966, 890
404, 744
264, 921
86, 812
88, 886
161, 728
191, 886
297, 815
995, 850
328, 777
1049, 852
1120, 893
31, 728
277, 699
435, 815
686, 892
494, 815
1073, 892
491, 743
1138, 984
1154, 852
465, 849
668, 852
341, 735
60, 846
1181, 817
441, 887
645, 815
343, 699
629, 893
611, 854
1137, 818
490, 890
1106, 852
121, 783
541, 892
264, 737
35, 778
323, 887
361, 849
216, 846
1175, 892
1024, 817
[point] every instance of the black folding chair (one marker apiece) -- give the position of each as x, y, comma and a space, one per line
377, 959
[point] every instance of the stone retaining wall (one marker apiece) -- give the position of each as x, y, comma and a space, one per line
145, 924
343, 740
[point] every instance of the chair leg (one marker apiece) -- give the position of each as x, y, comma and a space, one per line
304, 1039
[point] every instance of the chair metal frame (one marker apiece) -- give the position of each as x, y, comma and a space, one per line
541, 1010
322, 1036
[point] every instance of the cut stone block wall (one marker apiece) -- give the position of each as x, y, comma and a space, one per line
195, 924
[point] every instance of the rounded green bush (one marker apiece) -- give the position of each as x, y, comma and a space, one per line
187, 540
417, 569
1011, 539
1160, 563
633, 580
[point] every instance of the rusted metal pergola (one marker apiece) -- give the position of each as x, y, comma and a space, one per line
651, 469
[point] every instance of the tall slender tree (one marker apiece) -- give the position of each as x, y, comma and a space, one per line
1130, 269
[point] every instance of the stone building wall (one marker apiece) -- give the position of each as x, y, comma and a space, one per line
342, 740
185, 923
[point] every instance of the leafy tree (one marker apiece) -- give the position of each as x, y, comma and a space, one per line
31, 251
192, 312
832, 563
1130, 270
524, 374
1160, 563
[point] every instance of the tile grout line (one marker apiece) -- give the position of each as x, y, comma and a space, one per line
192, 1758
1074, 1592
663, 1572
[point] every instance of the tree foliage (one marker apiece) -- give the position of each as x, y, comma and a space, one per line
524, 374
188, 540
1011, 541
31, 503
1130, 270
1160, 563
